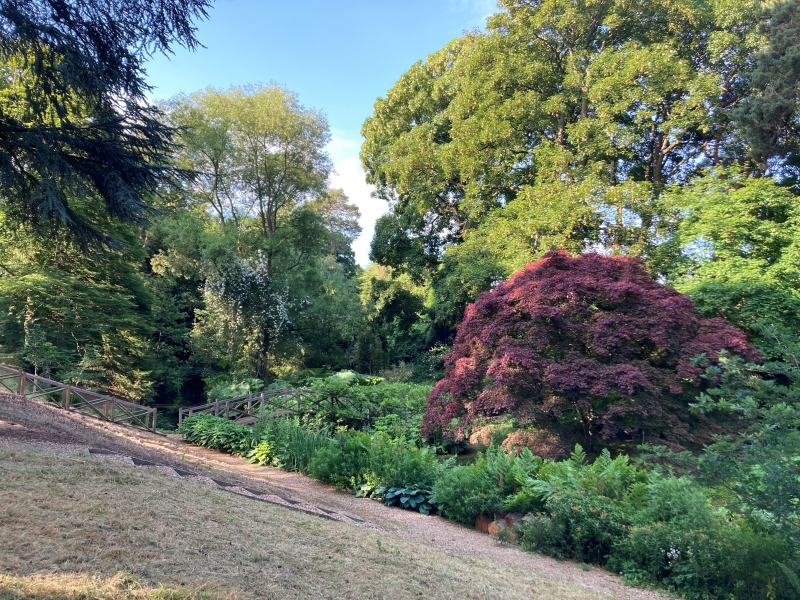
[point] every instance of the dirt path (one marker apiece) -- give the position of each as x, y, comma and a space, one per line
26, 423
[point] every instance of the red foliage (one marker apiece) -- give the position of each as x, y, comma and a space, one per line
587, 348
541, 443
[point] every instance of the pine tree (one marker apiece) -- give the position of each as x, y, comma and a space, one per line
76, 131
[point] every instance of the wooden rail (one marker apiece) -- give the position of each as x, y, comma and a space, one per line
76, 399
285, 401
281, 402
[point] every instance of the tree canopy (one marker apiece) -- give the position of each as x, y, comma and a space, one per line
563, 125
588, 349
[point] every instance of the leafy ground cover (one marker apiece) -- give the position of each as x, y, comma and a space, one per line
660, 520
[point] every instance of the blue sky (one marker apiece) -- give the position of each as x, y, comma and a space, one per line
338, 56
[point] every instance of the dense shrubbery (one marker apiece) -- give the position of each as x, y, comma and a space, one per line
651, 526
368, 402
218, 433
721, 535
374, 464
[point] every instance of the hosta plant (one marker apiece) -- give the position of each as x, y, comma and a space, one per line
413, 497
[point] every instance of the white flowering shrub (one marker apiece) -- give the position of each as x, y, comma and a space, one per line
246, 311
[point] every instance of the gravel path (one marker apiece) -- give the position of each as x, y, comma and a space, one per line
30, 424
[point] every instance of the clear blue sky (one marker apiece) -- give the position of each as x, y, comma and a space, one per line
338, 56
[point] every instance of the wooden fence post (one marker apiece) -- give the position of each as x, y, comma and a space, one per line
155, 415
21, 386
216, 408
261, 408
67, 396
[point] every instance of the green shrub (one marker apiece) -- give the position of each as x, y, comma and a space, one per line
675, 499
726, 560
261, 454
495, 479
604, 477
464, 493
292, 446
414, 497
218, 434
591, 524
344, 462
397, 463
357, 401
541, 533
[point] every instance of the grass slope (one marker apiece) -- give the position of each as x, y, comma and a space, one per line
77, 527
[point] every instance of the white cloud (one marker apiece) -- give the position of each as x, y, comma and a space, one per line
350, 177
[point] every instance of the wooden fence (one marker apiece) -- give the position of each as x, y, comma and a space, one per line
76, 399
285, 401
275, 403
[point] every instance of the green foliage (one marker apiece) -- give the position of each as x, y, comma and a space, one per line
769, 116
736, 253
656, 529
291, 446
463, 493
357, 401
261, 454
414, 497
344, 462
724, 560
397, 463
397, 306
589, 524
269, 242
218, 433
760, 466
78, 128
559, 127
496, 480
76, 318
791, 576
232, 388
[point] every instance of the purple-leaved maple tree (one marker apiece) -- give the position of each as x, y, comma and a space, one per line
590, 349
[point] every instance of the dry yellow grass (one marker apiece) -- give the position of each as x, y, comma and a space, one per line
122, 586
77, 527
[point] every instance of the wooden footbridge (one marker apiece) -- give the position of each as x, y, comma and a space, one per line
76, 399
274, 403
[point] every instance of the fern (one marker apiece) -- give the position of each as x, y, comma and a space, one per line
790, 575
578, 457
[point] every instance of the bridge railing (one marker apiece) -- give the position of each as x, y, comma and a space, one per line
284, 401
78, 400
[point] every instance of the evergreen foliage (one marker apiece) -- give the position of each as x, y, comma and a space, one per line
76, 126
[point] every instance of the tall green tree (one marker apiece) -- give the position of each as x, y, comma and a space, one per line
84, 319
770, 114
266, 224
736, 252
561, 126
341, 219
